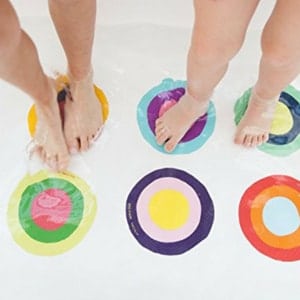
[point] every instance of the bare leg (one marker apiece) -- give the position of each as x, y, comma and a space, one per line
20, 66
280, 64
75, 21
218, 34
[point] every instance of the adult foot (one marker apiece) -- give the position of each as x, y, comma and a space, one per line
174, 123
49, 137
255, 125
83, 119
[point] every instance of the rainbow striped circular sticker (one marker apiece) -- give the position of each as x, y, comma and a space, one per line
269, 214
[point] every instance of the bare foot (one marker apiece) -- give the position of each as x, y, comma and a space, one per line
83, 115
255, 125
49, 138
173, 124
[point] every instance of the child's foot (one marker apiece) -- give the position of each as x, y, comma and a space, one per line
173, 124
49, 138
83, 115
254, 127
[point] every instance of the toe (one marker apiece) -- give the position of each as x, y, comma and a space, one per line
255, 141
161, 139
62, 162
248, 140
259, 140
159, 128
239, 138
97, 134
73, 145
171, 144
158, 122
51, 161
38, 150
84, 144
90, 140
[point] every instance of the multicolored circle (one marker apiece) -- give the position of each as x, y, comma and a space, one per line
269, 215
61, 81
157, 101
284, 138
49, 214
169, 211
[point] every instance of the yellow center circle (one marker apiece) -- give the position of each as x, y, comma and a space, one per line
169, 209
283, 120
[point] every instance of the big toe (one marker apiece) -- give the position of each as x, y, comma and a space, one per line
172, 143
239, 138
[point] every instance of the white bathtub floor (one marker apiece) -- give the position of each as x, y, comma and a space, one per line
109, 264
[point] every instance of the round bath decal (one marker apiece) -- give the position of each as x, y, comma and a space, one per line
62, 83
169, 211
157, 101
284, 138
269, 215
49, 214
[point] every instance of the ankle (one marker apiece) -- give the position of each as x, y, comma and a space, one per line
262, 98
198, 96
45, 94
192, 106
81, 76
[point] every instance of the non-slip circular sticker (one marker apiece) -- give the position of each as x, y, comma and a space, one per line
269, 214
284, 138
169, 211
157, 101
49, 214
61, 81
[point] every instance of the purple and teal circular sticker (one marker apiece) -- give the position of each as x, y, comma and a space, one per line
169, 211
284, 138
158, 100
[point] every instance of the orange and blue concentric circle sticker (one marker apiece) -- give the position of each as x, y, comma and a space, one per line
161, 98
169, 211
269, 217
284, 138
49, 213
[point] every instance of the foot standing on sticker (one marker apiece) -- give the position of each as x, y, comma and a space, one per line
20, 66
218, 34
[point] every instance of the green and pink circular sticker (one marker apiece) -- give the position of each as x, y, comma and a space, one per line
49, 214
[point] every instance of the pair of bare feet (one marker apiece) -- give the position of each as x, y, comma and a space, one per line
55, 138
252, 131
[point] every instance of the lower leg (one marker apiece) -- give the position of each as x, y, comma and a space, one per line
20, 66
75, 24
214, 42
278, 67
